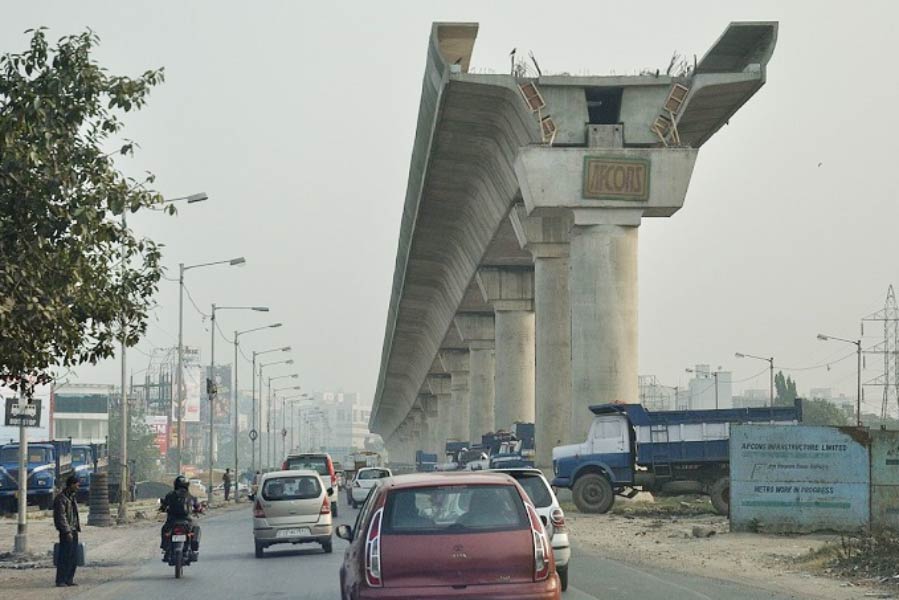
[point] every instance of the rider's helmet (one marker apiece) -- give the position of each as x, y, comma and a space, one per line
181, 482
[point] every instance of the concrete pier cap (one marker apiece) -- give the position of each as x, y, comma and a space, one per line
616, 149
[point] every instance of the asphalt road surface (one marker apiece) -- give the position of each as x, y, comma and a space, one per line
228, 569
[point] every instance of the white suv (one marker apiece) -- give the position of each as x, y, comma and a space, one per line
547, 505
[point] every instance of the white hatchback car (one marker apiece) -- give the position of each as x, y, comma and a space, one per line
292, 507
366, 479
550, 512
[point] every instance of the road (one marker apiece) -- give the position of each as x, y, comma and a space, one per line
228, 569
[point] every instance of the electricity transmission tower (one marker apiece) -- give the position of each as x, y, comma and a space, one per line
889, 349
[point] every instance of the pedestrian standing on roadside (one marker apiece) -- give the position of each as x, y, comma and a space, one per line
226, 483
65, 518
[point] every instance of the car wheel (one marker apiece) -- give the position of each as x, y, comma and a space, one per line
720, 495
563, 577
259, 551
593, 493
328, 546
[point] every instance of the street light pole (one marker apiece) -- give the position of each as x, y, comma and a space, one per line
235, 393
858, 350
180, 373
770, 361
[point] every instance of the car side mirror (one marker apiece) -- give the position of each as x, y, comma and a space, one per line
330, 491
345, 532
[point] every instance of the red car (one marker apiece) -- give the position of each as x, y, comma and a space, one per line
436, 536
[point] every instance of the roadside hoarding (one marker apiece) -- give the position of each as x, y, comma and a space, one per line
799, 478
194, 388
158, 424
885, 480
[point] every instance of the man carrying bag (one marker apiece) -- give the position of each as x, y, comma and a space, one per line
65, 517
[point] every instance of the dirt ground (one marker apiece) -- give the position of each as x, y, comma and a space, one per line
662, 535
110, 551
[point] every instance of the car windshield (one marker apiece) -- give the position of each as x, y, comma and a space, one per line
454, 509
35, 455
319, 464
303, 487
373, 474
79, 455
536, 488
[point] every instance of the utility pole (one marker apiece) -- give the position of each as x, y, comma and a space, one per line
21, 539
179, 374
122, 516
253, 418
236, 428
211, 393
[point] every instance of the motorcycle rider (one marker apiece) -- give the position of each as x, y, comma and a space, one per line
178, 505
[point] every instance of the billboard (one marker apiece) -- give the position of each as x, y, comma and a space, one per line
221, 403
194, 387
799, 478
158, 424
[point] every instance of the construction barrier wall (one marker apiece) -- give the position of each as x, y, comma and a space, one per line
802, 478
885, 480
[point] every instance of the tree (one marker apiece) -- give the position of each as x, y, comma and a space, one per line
786, 390
73, 278
143, 455
821, 412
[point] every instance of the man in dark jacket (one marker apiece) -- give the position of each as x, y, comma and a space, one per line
65, 517
226, 483
178, 506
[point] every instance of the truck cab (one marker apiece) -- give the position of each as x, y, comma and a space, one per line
607, 449
47, 463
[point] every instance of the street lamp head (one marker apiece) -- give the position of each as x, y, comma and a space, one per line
740, 355
823, 337
235, 262
273, 325
289, 361
200, 197
295, 375
285, 349
260, 308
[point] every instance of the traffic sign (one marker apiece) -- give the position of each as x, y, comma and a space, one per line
24, 414
253, 435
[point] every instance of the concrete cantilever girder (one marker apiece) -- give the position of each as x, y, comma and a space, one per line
462, 182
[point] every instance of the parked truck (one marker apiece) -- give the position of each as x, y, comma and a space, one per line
630, 449
425, 462
88, 459
507, 449
49, 463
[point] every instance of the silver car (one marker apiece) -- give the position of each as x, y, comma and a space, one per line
366, 479
292, 507
550, 512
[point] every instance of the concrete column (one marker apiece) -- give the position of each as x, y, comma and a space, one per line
511, 292
456, 363
478, 331
603, 288
440, 386
546, 238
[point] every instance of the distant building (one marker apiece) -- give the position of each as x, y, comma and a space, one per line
81, 412
335, 422
709, 389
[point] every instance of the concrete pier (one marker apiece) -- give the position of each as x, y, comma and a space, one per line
478, 331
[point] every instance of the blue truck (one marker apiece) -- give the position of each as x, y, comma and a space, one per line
88, 459
630, 449
49, 463
425, 462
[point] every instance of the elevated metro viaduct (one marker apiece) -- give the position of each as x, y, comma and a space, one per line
515, 291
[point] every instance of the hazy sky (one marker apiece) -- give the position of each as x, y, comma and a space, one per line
297, 118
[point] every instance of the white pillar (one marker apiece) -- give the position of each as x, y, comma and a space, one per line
514, 368
481, 388
440, 387
511, 292
553, 356
456, 363
603, 289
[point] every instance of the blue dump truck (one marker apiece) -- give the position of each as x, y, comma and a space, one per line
49, 463
630, 449
425, 462
88, 459
508, 449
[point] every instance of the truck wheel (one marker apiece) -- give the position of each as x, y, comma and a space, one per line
720, 495
259, 551
593, 493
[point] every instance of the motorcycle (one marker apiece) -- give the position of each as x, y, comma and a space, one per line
178, 543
